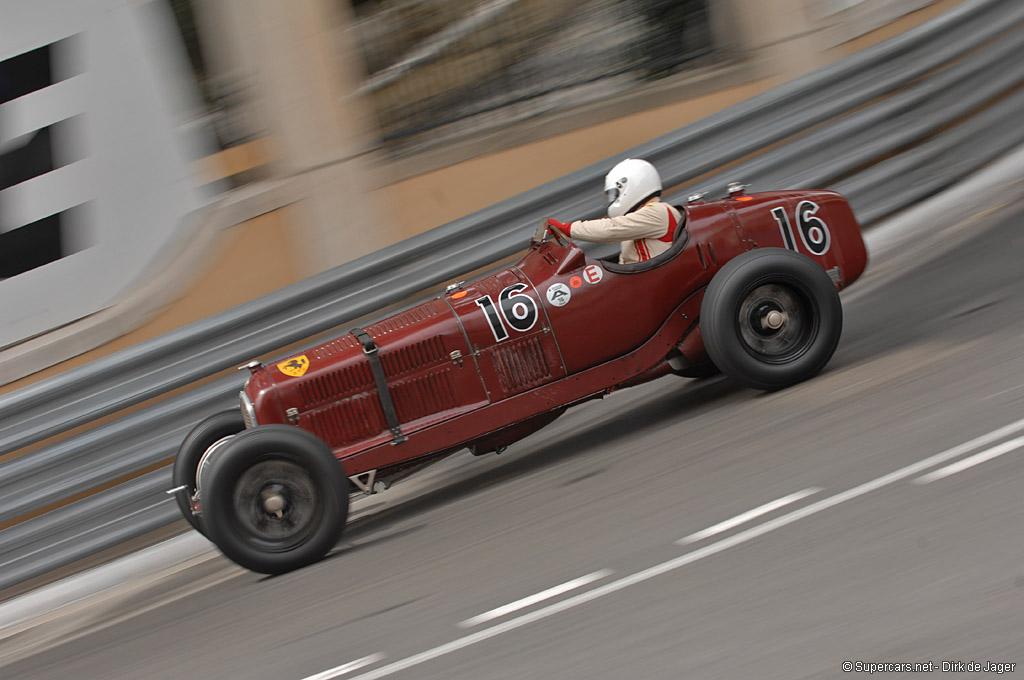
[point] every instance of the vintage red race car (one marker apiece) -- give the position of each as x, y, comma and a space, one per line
749, 287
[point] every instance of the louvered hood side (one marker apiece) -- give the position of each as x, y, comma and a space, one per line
330, 389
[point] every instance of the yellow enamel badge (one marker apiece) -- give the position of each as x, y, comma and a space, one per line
295, 366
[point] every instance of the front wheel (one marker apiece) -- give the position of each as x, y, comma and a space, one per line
771, 318
275, 499
185, 474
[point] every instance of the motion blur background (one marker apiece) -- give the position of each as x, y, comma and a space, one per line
162, 162
125, 126
189, 184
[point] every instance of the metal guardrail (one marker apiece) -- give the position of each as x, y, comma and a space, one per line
887, 127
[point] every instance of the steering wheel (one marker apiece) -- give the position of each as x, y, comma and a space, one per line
544, 229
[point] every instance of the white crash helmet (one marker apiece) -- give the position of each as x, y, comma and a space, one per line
629, 184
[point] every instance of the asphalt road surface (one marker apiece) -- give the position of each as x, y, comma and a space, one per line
683, 529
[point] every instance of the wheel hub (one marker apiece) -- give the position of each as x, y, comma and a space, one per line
276, 503
773, 323
767, 317
273, 503
774, 320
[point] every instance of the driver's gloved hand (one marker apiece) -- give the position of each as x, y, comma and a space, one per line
561, 226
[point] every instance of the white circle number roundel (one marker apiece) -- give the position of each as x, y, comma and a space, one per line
559, 294
593, 274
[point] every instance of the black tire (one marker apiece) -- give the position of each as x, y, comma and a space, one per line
186, 462
753, 292
266, 466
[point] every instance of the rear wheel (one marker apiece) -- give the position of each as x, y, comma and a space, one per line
771, 318
208, 432
275, 499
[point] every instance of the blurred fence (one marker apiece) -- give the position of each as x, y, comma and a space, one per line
887, 127
436, 62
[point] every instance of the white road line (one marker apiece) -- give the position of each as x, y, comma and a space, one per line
850, 387
747, 516
341, 670
690, 557
1002, 392
534, 599
961, 465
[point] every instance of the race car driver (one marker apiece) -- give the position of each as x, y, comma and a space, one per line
636, 215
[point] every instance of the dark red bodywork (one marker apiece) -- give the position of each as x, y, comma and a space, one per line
455, 384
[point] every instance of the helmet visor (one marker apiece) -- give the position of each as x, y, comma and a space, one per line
611, 195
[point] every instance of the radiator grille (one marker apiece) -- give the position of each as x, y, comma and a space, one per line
521, 365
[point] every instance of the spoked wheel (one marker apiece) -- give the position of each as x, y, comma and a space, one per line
771, 318
185, 474
275, 499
